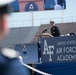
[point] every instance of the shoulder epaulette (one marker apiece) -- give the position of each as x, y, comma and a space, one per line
10, 53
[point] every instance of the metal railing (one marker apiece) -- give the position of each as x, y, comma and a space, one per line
38, 22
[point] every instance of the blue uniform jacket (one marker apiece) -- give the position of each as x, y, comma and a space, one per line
12, 66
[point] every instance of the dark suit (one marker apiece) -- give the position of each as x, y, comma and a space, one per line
55, 31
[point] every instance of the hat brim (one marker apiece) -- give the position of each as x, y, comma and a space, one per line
4, 2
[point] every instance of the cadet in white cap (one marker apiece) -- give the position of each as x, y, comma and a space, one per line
5, 9
9, 62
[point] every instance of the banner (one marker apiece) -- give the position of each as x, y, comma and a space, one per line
58, 49
38, 5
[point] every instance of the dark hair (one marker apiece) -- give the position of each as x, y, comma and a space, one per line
51, 21
5, 9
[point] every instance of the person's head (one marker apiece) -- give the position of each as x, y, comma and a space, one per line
52, 23
4, 12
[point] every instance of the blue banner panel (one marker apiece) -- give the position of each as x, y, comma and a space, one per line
58, 49
29, 53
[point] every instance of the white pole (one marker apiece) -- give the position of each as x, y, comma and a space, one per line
63, 16
32, 18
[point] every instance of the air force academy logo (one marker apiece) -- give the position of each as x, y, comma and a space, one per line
48, 50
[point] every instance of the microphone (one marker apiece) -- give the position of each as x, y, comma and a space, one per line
44, 31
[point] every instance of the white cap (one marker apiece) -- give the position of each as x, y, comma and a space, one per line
4, 2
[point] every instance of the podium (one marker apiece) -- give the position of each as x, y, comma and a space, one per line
60, 49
